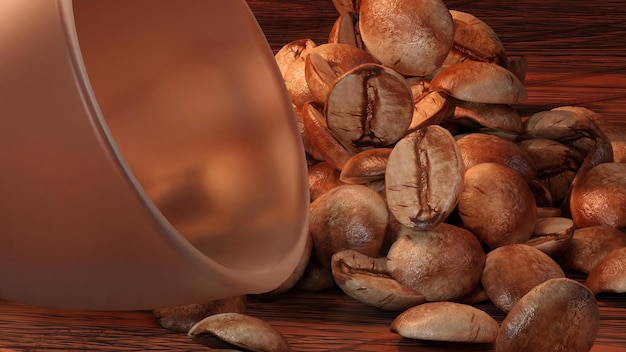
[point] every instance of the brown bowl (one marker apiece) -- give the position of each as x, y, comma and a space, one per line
149, 155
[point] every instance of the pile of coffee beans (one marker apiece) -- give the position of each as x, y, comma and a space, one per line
415, 102
431, 193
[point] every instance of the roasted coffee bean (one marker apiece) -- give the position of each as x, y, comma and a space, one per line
319, 76
366, 166
475, 40
328, 61
369, 106
345, 30
422, 33
599, 197
367, 280
429, 109
479, 148
331, 150
443, 263
497, 205
615, 134
511, 271
572, 127
557, 164
291, 52
424, 177
589, 245
601, 152
500, 117
238, 331
557, 315
479, 82
348, 217
552, 235
609, 275
322, 178
295, 80
446, 321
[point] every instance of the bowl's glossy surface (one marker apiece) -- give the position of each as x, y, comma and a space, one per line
149, 155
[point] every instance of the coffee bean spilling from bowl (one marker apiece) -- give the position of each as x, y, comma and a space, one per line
431, 193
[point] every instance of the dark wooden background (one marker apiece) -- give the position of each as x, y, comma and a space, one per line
577, 56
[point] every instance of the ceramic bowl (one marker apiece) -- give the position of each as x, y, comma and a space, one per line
149, 155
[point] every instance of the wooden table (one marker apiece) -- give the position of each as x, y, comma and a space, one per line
577, 56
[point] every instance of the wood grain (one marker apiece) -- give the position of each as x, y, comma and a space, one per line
322, 321
577, 56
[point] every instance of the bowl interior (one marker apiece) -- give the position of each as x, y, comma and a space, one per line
198, 114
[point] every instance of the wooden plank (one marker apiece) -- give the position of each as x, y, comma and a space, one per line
577, 56
319, 321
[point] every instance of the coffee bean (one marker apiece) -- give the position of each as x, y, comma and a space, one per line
424, 177
446, 321
557, 315
367, 280
238, 331
369, 106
